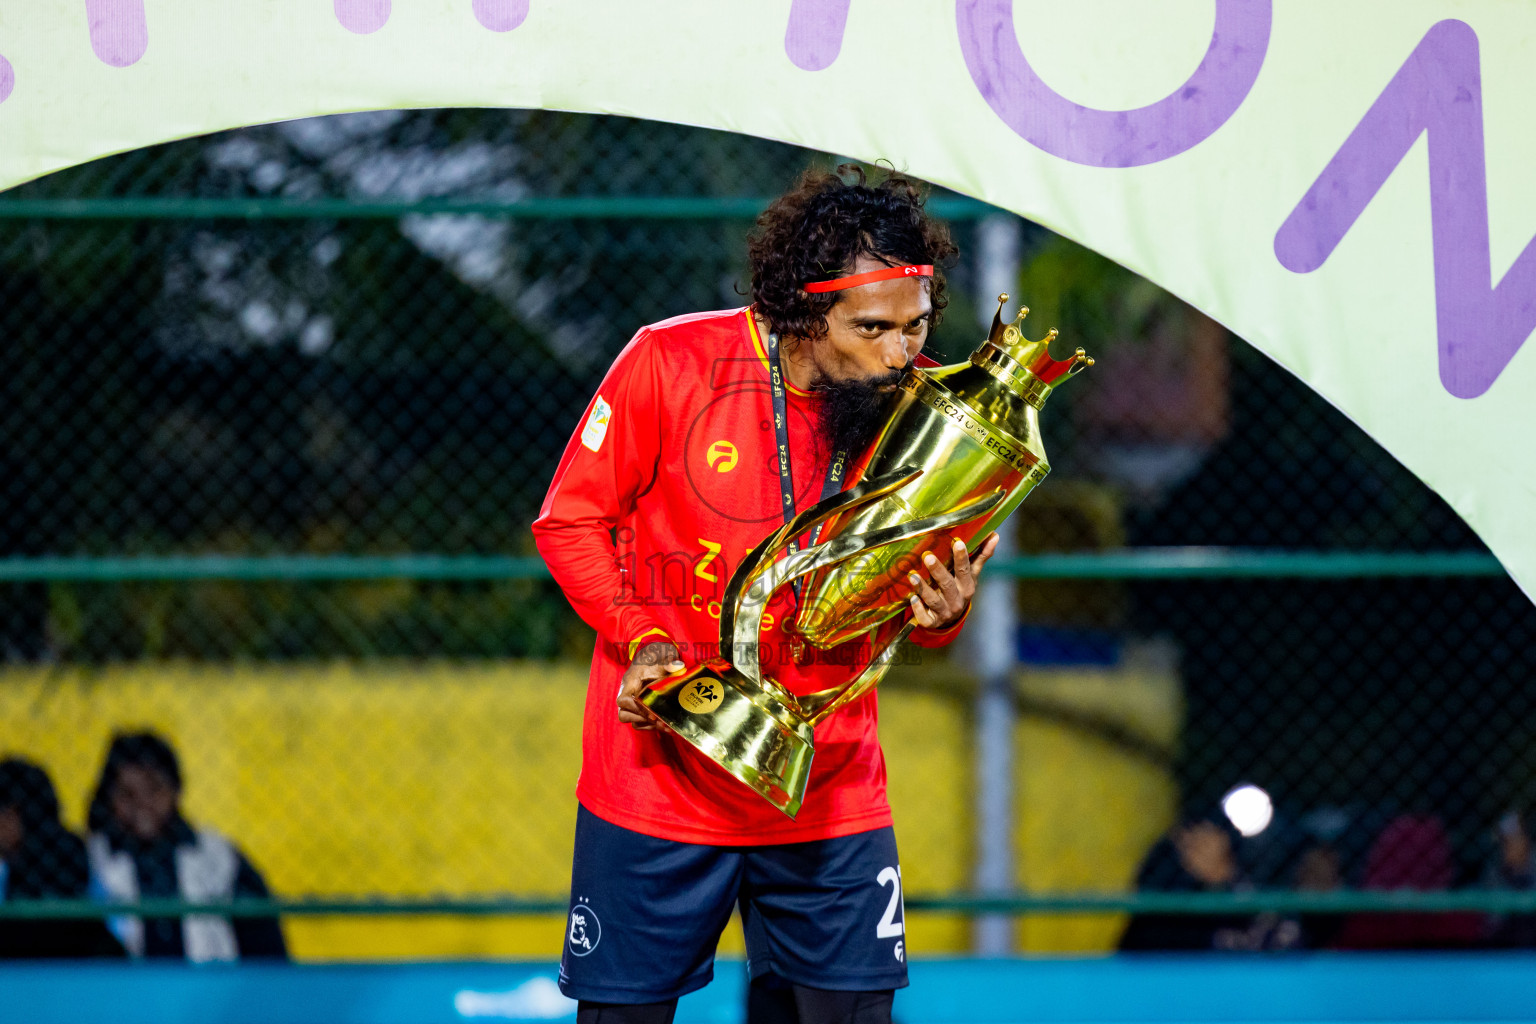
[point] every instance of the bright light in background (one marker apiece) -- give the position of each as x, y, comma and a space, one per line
1249, 809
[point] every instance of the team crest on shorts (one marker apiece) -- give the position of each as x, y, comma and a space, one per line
585, 931
702, 695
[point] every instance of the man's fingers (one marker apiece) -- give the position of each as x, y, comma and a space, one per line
933, 608
631, 711
942, 576
632, 716
650, 673
922, 614
988, 549
937, 605
961, 560
924, 592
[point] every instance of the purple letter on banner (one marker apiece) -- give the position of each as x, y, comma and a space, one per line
815, 34
119, 33
1114, 138
1438, 90
361, 16
501, 15
7, 79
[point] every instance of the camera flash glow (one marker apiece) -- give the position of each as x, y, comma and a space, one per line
1248, 808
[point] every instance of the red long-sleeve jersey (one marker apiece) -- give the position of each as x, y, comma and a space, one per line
669, 481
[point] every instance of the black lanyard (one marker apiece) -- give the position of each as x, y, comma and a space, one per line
834, 480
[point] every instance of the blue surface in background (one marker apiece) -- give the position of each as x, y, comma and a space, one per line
1318, 988
1051, 645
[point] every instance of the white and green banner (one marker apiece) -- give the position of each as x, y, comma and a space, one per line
1344, 183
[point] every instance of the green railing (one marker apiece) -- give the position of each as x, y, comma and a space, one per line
1166, 564
1257, 902
1145, 564
1153, 563
547, 208
1159, 563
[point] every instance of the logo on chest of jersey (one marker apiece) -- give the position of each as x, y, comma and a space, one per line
730, 458
721, 456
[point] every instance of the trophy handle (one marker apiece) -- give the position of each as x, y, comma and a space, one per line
740, 646
817, 706
763, 577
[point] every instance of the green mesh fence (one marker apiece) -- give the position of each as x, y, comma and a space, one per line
277, 407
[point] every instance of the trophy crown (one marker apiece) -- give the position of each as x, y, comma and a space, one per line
1022, 359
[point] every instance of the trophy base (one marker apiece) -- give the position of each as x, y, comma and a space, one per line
743, 726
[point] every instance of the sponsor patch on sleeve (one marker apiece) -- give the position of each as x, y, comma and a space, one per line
597, 424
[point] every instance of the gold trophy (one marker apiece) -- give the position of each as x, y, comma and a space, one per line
959, 453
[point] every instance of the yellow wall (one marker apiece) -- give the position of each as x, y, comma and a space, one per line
436, 778
1094, 789
408, 780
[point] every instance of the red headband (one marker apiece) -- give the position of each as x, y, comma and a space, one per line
837, 284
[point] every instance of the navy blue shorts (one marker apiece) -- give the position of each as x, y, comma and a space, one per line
646, 913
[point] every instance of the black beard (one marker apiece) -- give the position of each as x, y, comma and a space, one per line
853, 412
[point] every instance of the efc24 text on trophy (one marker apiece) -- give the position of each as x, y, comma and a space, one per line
959, 453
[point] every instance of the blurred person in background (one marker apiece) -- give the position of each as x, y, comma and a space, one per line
40, 859
141, 847
1413, 852
1319, 869
1513, 867
1201, 857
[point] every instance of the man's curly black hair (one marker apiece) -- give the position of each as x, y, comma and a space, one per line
817, 229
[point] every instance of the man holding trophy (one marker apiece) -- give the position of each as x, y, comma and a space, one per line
758, 506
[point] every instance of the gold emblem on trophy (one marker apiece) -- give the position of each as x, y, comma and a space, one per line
959, 453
